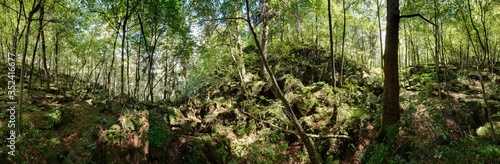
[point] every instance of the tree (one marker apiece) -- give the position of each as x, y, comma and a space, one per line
391, 109
44, 47
129, 10
34, 9
482, 54
332, 53
277, 90
265, 32
380, 33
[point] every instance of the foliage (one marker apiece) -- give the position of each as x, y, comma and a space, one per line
469, 150
485, 130
160, 137
379, 154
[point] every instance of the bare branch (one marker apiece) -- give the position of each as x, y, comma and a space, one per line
419, 15
225, 19
293, 132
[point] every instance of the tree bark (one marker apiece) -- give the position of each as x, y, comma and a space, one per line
332, 53
33, 59
44, 47
391, 109
110, 86
137, 73
380, 35
56, 69
124, 36
165, 79
265, 32
344, 8
436, 49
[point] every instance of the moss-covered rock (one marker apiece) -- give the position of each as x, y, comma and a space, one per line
485, 130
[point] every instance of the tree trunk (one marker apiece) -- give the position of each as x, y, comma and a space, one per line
110, 86
44, 47
16, 37
35, 8
288, 109
137, 73
341, 79
391, 109
128, 69
265, 32
380, 35
174, 84
332, 53
241, 57
165, 79
436, 50
481, 57
33, 59
56, 69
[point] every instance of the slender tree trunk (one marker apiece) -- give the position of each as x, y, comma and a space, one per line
35, 8
110, 85
436, 49
124, 36
44, 47
128, 69
407, 45
137, 73
332, 53
241, 57
316, 35
165, 79
96, 82
150, 76
288, 109
56, 56
481, 57
17, 36
185, 74
174, 84
380, 35
239, 64
150, 53
341, 78
265, 32
33, 59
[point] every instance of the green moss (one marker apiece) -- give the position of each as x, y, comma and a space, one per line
485, 130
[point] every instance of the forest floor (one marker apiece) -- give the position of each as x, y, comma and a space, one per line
224, 124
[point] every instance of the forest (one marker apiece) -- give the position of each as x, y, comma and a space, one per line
249, 81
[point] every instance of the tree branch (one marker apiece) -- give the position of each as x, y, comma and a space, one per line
293, 132
224, 19
419, 15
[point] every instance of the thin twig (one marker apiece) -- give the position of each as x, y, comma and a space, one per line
224, 19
